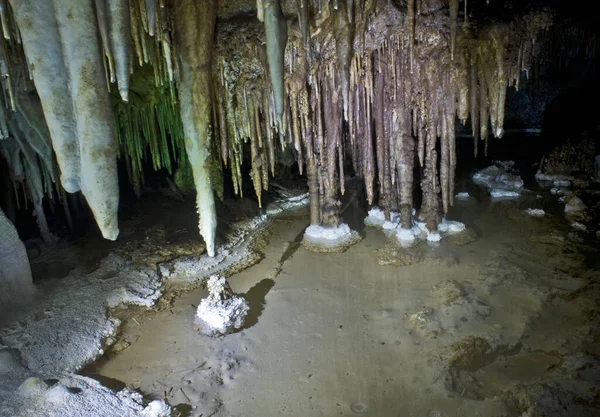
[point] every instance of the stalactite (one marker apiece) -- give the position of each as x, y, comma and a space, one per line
343, 39
303, 21
276, 34
42, 46
136, 34
332, 111
411, 31
369, 166
353, 71
93, 114
474, 104
453, 26
103, 25
194, 37
151, 16
381, 138
120, 43
445, 161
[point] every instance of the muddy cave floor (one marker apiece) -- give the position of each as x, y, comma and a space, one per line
505, 325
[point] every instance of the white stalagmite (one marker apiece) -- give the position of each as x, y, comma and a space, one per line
41, 42
94, 119
194, 37
120, 42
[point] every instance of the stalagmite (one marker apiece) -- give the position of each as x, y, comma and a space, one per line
92, 111
194, 39
120, 42
276, 34
42, 47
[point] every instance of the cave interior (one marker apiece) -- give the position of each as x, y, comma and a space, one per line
174, 134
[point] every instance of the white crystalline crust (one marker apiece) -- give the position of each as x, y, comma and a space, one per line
535, 212
500, 180
69, 327
450, 227
433, 237
463, 196
65, 330
375, 217
236, 250
504, 194
407, 237
551, 178
221, 312
329, 236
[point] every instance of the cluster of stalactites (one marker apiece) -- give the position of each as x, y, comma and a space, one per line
54, 45
24, 138
135, 31
389, 107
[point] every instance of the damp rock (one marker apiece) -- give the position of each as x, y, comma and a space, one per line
560, 191
462, 196
574, 204
222, 311
500, 179
318, 238
450, 227
33, 386
447, 292
465, 237
471, 354
398, 256
596, 175
119, 346
424, 323
358, 408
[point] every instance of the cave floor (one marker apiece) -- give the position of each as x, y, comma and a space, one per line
504, 326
